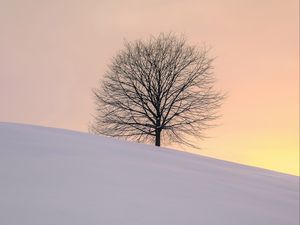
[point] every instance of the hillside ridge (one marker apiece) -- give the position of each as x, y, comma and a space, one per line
55, 176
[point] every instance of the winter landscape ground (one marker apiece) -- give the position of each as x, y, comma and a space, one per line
52, 176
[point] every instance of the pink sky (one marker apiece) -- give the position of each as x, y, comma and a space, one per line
54, 52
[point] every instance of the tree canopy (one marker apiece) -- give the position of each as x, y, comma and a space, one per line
159, 89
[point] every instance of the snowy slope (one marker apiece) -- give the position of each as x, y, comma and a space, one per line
51, 176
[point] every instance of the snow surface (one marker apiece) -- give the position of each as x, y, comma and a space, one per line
52, 176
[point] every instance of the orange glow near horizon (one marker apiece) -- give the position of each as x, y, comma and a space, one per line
53, 54
278, 154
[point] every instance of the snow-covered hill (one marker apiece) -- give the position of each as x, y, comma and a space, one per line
57, 177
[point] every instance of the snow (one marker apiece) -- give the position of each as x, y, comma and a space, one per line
52, 176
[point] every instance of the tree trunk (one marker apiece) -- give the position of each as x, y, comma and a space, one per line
157, 137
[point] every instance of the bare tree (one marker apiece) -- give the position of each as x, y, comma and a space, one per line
158, 89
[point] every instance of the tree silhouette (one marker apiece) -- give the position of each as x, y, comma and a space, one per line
158, 89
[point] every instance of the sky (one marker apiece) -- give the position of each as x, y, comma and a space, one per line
52, 53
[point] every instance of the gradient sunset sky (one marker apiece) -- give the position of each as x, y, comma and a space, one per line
54, 52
